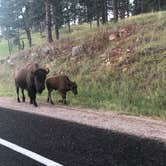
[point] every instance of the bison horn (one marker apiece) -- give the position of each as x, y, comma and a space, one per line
47, 70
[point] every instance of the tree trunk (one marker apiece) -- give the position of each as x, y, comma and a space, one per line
23, 44
98, 21
136, 10
98, 13
69, 27
142, 6
104, 12
42, 28
115, 9
9, 47
90, 23
127, 8
159, 5
122, 9
57, 31
28, 32
19, 43
49, 21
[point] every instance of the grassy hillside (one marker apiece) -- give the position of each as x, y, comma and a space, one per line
122, 66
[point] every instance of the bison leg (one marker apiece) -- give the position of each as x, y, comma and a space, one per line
17, 90
32, 97
64, 97
31, 100
49, 96
34, 101
23, 96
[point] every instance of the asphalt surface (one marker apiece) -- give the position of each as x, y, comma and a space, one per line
73, 144
11, 158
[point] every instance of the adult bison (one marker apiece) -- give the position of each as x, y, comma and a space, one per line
62, 84
30, 78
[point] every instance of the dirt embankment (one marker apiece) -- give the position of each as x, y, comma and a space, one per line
137, 126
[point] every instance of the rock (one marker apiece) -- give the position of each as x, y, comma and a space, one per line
128, 51
120, 59
73, 58
124, 69
48, 49
108, 63
76, 50
112, 37
123, 32
45, 49
9, 61
34, 54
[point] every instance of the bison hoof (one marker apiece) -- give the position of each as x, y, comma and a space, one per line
18, 100
52, 102
35, 104
65, 103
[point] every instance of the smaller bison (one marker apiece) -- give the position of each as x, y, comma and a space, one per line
62, 84
30, 78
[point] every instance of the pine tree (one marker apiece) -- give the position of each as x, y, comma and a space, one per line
115, 9
9, 22
144, 6
57, 16
49, 20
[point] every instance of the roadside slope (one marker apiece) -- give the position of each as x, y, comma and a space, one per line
121, 67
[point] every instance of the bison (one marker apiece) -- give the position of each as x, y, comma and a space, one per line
30, 78
62, 84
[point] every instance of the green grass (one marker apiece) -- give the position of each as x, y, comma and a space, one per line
4, 53
6, 81
36, 40
3, 48
138, 90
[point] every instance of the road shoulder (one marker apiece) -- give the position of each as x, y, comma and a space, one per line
137, 126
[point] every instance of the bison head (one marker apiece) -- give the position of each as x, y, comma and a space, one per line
73, 88
39, 79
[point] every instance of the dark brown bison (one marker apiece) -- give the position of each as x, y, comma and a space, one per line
30, 78
62, 84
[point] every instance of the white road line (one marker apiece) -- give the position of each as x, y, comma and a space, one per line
29, 153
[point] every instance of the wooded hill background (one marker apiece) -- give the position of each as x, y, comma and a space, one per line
50, 15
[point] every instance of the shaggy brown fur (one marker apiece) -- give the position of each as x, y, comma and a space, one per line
30, 78
62, 84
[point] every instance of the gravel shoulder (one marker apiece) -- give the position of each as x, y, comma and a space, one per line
138, 126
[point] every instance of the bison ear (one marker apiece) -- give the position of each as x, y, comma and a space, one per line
75, 83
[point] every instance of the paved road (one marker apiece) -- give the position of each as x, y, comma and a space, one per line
73, 144
10, 158
138, 126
